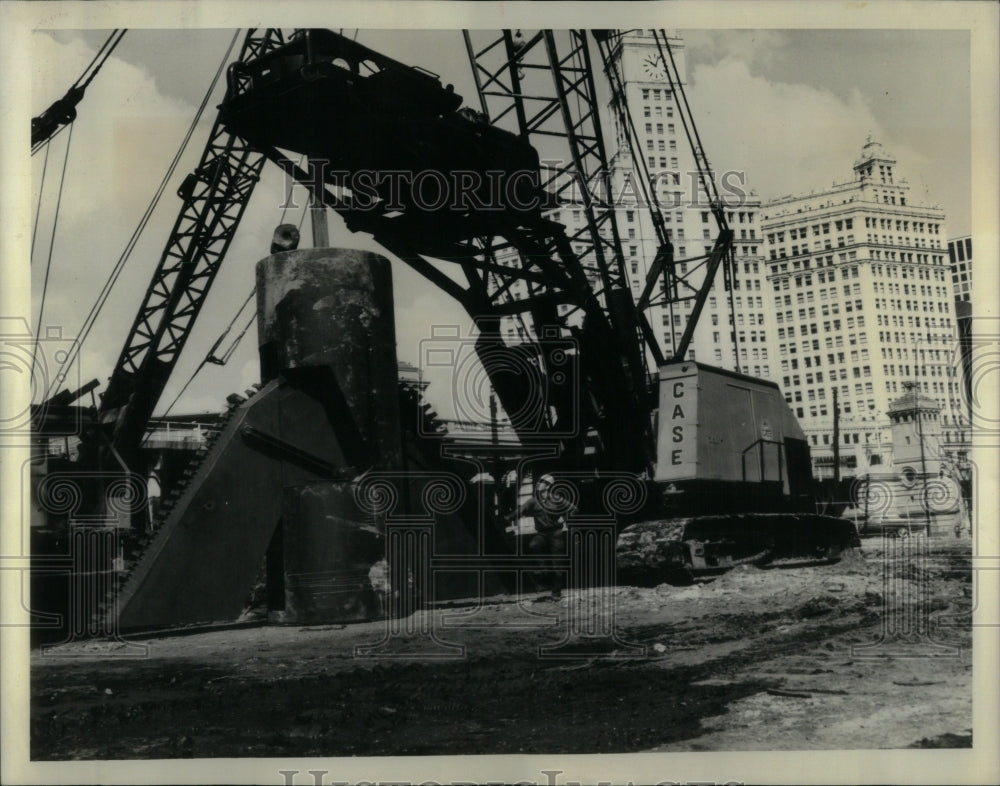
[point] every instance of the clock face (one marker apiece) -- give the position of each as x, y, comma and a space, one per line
652, 66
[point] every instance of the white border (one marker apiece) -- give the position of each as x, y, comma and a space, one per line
979, 765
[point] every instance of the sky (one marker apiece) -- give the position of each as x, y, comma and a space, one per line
791, 108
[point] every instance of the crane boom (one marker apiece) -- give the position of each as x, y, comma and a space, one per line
214, 198
335, 101
543, 89
677, 286
331, 99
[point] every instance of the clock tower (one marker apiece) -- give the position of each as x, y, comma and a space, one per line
653, 67
644, 74
659, 137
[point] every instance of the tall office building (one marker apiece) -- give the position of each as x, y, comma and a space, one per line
861, 291
660, 138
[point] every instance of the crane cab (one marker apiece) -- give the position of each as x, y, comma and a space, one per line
729, 440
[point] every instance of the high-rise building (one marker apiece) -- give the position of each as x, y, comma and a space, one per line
660, 137
862, 297
960, 256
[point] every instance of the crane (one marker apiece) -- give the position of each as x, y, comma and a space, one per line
676, 286
214, 197
472, 241
347, 109
543, 90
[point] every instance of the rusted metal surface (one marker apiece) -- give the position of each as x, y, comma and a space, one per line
329, 411
329, 549
204, 556
326, 327
326, 315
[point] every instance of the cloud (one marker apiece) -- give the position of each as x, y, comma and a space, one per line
126, 129
788, 138
125, 134
757, 48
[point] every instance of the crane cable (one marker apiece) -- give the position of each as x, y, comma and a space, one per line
52, 243
45, 142
648, 196
120, 32
705, 174
707, 178
210, 357
41, 190
75, 92
112, 279
288, 197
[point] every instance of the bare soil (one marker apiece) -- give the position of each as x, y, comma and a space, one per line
873, 651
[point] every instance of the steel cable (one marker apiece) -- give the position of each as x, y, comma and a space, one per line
112, 279
52, 243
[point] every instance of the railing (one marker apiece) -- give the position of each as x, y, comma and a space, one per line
190, 433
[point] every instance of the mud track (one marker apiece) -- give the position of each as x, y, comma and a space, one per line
806, 657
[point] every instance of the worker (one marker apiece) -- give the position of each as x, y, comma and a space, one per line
550, 509
153, 495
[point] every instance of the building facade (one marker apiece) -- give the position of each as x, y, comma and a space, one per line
844, 293
960, 257
861, 292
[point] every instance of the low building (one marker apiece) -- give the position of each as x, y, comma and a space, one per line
921, 489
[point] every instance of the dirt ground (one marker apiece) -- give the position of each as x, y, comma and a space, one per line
871, 652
